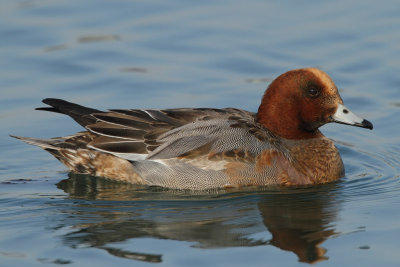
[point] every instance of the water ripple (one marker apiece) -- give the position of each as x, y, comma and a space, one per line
371, 175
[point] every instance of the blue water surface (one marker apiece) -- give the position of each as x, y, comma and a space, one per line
168, 54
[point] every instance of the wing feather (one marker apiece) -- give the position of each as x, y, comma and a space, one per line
122, 120
176, 133
119, 146
112, 130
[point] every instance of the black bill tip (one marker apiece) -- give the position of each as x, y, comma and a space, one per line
367, 124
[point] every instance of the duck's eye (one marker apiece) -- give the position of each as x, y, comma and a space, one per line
313, 91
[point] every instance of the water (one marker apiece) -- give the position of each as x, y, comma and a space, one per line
158, 54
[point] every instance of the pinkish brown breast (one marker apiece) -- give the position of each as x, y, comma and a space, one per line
311, 161
314, 161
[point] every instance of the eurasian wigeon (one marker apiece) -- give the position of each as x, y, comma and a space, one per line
203, 148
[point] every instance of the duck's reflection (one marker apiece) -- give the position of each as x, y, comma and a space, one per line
299, 223
292, 220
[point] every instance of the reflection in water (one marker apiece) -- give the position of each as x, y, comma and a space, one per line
133, 69
98, 38
299, 220
299, 223
55, 48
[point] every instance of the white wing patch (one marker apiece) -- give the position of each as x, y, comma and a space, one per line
127, 156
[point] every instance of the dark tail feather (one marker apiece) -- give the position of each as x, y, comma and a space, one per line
80, 114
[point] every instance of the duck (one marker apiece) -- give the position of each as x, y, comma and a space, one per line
209, 148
